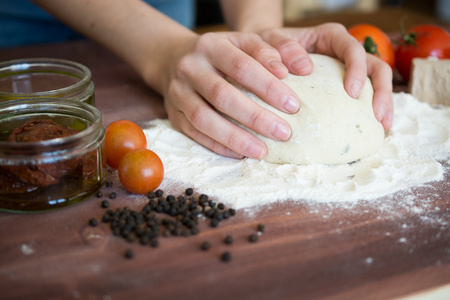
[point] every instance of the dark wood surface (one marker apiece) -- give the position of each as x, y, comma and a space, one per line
370, 250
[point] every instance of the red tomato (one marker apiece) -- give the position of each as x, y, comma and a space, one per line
121, 137
421, 41
141, 171
375, 42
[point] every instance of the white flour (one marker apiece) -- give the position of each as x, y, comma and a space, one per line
414, 153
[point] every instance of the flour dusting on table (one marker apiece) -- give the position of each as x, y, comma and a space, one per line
414, 153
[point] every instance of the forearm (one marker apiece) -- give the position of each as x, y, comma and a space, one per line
253, 15
139, 34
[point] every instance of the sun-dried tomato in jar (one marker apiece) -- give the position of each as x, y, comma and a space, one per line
50, 159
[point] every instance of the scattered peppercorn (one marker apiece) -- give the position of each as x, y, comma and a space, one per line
261, 227
183, 213
253, 238
159, 193
93, 222
109, 184
99, 194
226, 257
129, 253
229, 240
214, 223
205, 246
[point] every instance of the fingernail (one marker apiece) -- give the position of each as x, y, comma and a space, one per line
291, 104
254, 150
301, 64
355, 89
232, 154
381, 111
389, 117
281, 131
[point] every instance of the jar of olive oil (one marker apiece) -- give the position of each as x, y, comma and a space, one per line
51, 153
45, 78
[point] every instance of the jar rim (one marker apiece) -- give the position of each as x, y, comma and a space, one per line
25, 63
33, 105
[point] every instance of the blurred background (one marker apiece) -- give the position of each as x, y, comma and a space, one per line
386, 14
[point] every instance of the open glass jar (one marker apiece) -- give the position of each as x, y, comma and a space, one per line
40, 174
45, 78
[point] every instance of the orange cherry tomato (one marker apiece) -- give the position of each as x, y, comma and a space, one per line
141, 171
121, 137
375, 42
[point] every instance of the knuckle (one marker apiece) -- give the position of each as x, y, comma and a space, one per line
198, 117
255, 119
220, 96
233, 141
241, 67
205, 40
183, 67
334, 26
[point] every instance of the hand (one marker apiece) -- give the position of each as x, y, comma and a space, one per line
196, 90
332, 39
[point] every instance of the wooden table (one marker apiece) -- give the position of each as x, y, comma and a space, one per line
370, 250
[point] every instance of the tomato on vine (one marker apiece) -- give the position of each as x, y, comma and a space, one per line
121, 137
421, 41
375, 42
141, 171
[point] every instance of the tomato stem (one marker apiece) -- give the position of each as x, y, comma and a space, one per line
370, 46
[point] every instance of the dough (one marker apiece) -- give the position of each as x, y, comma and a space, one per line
331, 127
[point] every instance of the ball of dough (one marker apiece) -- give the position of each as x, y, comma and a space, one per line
330, 127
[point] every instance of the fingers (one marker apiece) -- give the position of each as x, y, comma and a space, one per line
191, 115
293, 55
243, 58
267, 56
381, 75
227, 99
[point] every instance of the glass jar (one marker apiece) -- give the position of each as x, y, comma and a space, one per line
41, 174
45, 78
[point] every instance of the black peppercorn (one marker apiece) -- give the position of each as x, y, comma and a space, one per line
99, 194
105, 204
226, 256
232, 211
189, 191
214, 222
205, 246
109, 184
113, 195
93, 222
159, 193
253, 238
129, 253
228, 240
261, 227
